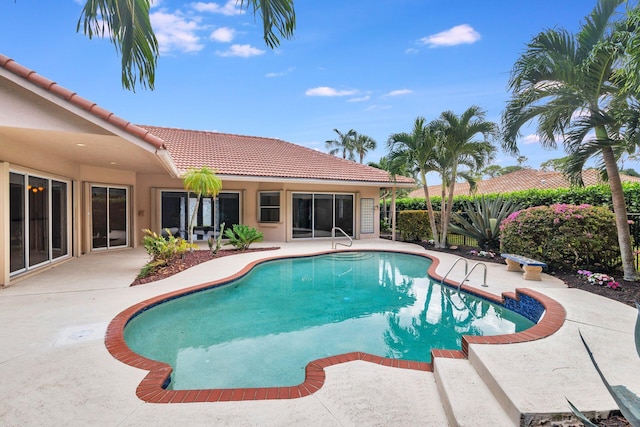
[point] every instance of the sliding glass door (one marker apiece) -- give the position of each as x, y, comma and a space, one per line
315, 214
39, 216
177, 207
110, 218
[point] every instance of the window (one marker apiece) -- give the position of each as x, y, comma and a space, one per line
269, 206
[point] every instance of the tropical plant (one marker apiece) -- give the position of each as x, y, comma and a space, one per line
344, 144
127, 25
459, 148
241, 236
571, 84
481, 220
362, 144
218, 241
417, 151
202, 182
162, 250
627, 401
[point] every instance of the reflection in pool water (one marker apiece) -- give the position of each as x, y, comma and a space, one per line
264, 328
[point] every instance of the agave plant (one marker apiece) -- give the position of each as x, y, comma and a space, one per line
627, 401
481, 220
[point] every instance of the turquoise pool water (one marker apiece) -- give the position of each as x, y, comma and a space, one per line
264, 328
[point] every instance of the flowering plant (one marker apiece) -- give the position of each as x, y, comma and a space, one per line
487, 254
599, 279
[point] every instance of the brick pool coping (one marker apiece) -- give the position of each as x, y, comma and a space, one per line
152, 388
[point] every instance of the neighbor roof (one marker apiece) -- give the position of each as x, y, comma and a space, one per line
524, 179
252, 156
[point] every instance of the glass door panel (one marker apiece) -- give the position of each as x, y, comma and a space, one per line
322, 215
59, 233
117, 222
302, 209
17, 232
228, 210
344, 213
99, 217
38, 191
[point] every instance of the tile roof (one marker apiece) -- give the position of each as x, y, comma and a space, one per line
73, 98
240, 155
228, 154
524, 179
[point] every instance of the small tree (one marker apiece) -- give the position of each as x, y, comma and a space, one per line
201, 182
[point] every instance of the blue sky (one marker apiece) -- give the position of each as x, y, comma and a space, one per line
371, 66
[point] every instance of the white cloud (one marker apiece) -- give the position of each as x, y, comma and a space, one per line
530, 139
175, 32
329, 91
460, 34
223, 35
241, 50
411, 50
399, 92
360, 99
377, 107
229, 8
280, 73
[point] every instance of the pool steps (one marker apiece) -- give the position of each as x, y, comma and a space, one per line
466, 397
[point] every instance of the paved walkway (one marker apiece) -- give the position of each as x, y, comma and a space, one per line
55, 370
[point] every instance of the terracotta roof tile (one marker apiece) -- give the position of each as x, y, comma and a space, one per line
241, 155
70, 96
524, 179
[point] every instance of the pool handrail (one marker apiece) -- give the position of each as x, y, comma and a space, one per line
466, 267
334, 245
484, 283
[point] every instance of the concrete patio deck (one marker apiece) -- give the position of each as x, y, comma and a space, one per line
55, 369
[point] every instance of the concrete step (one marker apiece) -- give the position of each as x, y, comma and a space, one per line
466, 398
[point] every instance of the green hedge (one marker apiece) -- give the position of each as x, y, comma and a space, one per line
414, 224
596, 195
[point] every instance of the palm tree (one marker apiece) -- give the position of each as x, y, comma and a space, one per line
362, 144
127, 24
343, 144
569, 84
460, 149
417, 151
202, 182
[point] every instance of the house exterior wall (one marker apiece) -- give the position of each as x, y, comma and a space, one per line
150, 188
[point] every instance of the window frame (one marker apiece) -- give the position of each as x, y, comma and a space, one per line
271, 208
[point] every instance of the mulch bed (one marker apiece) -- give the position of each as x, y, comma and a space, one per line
191, 259
628, 293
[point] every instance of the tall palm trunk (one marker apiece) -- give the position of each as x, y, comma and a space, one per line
448, 207
432, 217
192, 220
620, 211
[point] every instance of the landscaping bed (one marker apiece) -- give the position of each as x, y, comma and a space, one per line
627, 293
191, 259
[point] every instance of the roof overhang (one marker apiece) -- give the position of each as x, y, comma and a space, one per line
307, 181
35, 118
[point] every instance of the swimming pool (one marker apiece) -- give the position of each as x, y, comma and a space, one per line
264, 328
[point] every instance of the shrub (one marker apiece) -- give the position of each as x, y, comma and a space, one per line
563, 236
162, 250
414, 225
241, 236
